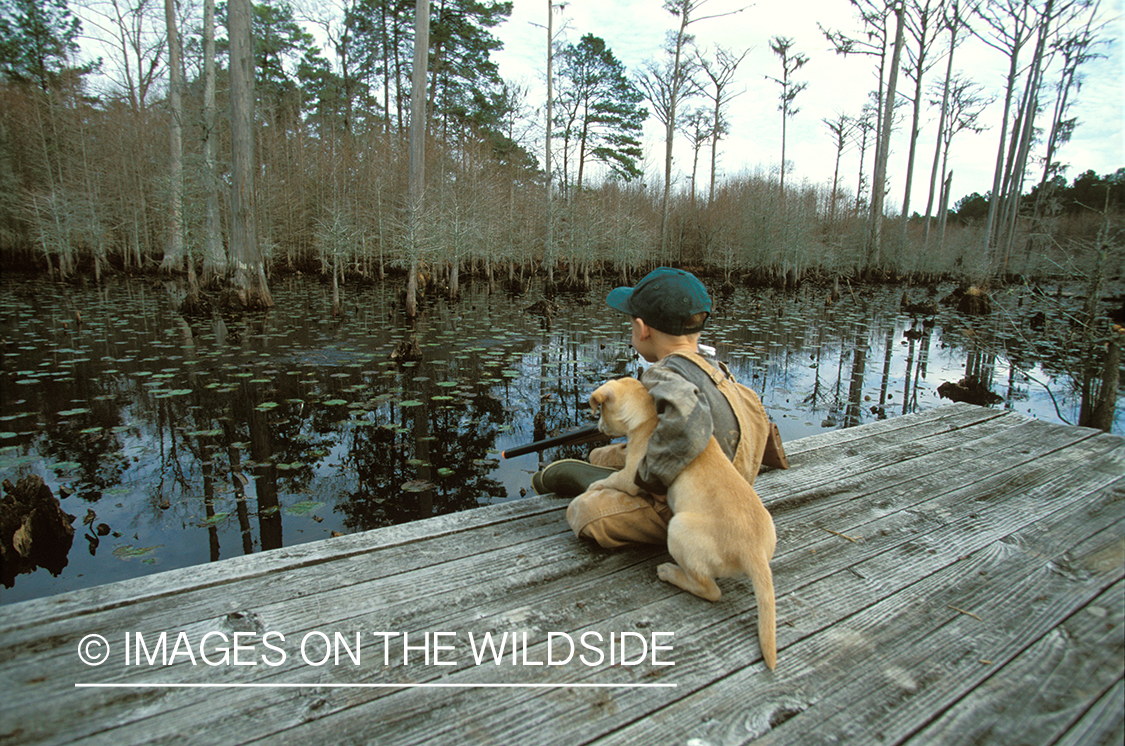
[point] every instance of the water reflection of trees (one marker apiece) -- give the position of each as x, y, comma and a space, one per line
438, 451
820, 354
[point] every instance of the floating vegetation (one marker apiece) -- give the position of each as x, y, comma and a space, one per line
214, 520
304, 508
128, 551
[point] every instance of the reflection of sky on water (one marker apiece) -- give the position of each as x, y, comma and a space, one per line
133, 408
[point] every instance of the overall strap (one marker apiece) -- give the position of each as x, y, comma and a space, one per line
750, 414
705, 366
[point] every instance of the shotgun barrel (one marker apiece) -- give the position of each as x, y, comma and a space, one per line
585, 434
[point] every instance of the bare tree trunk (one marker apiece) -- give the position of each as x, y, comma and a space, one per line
1011, 38
864, 125
398, 78
953, 25
670, 125
1098, 402
720, 71
549, 241
943, 209
1019, 165
1026, 134
924, 38
1104, 408
878, 182
839, 129
998, 172
214, 258
174, 252
789, 89
246, 273
417, 149
715, 134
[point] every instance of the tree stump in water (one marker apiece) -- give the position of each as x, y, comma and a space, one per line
971, 301
969, 389
406, 351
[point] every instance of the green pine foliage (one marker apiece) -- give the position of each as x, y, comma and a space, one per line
601, 112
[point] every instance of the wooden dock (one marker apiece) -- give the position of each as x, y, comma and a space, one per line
955, 576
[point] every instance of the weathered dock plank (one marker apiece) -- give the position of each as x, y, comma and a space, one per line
941, 577
1055, 675
1102, 725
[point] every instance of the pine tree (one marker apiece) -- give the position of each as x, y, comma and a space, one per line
381, 50
37, 39
601, 110
466, 87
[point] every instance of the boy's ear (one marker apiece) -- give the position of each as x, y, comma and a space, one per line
644, 331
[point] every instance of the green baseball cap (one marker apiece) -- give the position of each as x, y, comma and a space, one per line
665, 299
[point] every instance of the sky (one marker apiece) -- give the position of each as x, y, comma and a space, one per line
636, 30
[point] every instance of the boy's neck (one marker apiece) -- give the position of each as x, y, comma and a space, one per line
669, 344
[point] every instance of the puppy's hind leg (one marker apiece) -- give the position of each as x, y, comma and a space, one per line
700, 585
687, 547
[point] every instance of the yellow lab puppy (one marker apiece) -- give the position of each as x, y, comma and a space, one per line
719, 528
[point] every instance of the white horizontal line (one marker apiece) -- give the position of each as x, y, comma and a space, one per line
290, 685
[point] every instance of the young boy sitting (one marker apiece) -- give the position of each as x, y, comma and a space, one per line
668, 309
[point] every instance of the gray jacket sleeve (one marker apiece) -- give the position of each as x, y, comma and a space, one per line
682, 432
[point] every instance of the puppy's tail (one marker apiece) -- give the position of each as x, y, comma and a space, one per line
757, 566
762, 578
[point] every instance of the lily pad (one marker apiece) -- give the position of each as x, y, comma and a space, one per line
173, 392
303, 508
128, 551
214, 520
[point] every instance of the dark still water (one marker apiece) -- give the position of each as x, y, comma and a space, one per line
177, 442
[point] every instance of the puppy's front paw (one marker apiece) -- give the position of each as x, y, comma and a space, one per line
604, 484
613, 483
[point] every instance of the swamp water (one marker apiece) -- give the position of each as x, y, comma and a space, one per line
177, 442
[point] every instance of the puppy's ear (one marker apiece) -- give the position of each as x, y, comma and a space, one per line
600, 396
